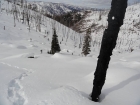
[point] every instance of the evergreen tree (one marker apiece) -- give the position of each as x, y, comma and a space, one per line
86, 44
55, 44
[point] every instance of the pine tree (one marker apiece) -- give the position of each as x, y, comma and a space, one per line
55, 44
86, 44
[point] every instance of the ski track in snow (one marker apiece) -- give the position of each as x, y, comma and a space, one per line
16, 93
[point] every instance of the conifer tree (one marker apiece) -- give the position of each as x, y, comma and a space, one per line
55, 44
86, 44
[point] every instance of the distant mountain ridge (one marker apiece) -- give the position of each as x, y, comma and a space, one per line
56, 8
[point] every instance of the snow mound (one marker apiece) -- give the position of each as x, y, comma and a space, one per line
61, 56
9, 45
28, 55
66, 95
66, 50
83, 60
33, 45
21, 47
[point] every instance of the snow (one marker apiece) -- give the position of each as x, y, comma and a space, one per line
56, 8
129, 35
113, 18
28, 55
62, 78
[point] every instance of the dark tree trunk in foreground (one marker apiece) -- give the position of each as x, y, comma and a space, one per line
115, 20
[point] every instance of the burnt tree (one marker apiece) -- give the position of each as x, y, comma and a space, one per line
87, 40
115, 20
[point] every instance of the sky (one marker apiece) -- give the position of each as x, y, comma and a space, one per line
87, 3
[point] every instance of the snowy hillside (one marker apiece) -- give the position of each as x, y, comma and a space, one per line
64, 78
55, 8
129, 34
98, 19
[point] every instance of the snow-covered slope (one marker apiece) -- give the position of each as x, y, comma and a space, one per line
62, 78
129, 34
97, 18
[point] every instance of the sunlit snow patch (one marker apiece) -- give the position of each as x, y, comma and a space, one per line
66, 95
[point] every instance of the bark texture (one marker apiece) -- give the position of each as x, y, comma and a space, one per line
115, 20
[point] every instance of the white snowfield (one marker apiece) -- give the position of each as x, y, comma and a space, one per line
62, 78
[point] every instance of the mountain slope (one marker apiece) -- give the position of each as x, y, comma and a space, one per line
129, 34
55, 8
99, 18
64, 78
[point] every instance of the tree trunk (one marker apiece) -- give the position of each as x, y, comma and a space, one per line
115, 20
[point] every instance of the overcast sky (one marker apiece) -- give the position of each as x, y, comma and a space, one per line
87, 3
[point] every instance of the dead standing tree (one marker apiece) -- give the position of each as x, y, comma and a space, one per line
115, 20
14, 10
27, 14
0, 6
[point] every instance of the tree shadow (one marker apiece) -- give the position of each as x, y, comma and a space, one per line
119, 86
